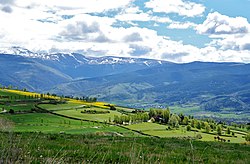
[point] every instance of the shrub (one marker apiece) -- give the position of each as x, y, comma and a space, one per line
188, 128
247, 137
219, 130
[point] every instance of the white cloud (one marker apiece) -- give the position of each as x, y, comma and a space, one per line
183, 8
181, 25
230, 35
218, 24
135, 14
233, 42
41, 26
133, 17
85, 6
4, 2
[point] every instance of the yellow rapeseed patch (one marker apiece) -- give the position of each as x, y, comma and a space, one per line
31, 94
97, 104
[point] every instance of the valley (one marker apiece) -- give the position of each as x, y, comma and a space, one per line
109, 103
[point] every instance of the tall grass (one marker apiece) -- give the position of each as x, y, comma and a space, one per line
62, 148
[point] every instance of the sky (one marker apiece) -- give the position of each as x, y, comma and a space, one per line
173, 30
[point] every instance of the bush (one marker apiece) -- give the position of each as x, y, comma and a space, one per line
198, 136
188, 128
11, 111
112, 107
247, 137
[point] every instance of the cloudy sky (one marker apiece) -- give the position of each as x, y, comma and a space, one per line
173, 30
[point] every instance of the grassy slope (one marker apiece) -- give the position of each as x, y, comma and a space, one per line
54, 124
48, 123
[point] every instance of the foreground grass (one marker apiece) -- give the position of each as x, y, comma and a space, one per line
52, 148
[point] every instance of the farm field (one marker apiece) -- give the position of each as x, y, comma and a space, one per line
74, 110
80, 117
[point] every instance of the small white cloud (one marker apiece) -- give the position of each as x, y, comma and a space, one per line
181, 25
183, 8
133, 17
135, 14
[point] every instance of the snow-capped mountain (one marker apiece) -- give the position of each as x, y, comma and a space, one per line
35, 71
78, 59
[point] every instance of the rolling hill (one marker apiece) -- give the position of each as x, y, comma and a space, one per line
212, 87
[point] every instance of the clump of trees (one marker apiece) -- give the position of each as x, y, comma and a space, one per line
83, 98
131, 119
174, 120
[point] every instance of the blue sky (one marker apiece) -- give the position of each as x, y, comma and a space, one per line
174, 30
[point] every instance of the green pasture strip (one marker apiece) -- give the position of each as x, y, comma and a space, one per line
52, 107
49, 123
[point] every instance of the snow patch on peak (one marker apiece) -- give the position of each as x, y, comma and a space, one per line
17, 51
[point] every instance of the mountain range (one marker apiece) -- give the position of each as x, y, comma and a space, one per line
215, 87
